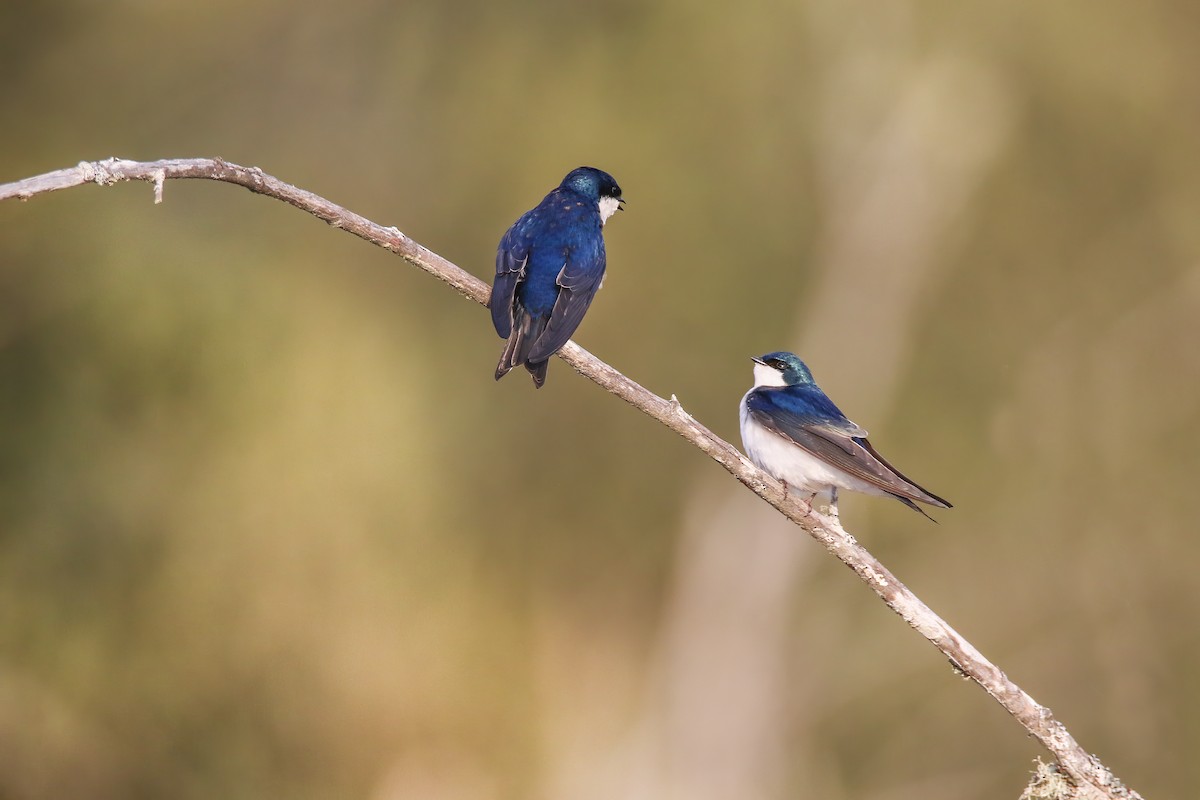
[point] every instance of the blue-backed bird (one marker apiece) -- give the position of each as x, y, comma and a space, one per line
549, 266
793, 431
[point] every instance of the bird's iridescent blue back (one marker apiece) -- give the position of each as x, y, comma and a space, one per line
804, 400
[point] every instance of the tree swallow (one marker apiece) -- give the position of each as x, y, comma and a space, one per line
793, 431
549, 266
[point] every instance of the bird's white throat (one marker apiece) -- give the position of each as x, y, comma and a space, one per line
767, 376
608, 207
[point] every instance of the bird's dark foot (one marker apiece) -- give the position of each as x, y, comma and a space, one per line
833, 498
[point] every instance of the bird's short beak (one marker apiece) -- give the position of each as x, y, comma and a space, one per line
758, 360
620, 204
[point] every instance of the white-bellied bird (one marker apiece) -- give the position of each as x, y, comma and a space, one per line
793, 431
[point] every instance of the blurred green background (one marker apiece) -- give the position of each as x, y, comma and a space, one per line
269, 529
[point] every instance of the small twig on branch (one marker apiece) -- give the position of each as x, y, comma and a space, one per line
1090, 778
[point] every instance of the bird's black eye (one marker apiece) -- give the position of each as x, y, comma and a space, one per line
775, 362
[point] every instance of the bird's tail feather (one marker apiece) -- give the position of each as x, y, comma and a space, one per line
526, 330
916, 507
537, 370
506, 357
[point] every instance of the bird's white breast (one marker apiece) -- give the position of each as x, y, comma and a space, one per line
608, 207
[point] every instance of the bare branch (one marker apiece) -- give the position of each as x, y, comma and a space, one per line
114, 170
1090, 778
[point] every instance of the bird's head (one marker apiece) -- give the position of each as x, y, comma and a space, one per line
599, 187
781, 369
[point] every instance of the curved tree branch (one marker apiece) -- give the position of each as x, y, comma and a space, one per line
1089, 777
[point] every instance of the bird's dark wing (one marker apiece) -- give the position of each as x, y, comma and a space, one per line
579, 280
511, 257
928, 496
838, 442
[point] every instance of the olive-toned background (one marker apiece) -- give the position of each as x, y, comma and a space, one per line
269, 529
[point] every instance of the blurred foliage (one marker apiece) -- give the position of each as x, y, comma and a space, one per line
268, 528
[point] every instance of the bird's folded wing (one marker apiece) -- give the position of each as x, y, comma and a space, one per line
578, 281
839, 443
511, 257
